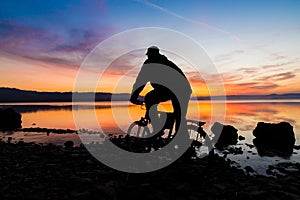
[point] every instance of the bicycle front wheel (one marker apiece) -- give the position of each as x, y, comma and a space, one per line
193, 132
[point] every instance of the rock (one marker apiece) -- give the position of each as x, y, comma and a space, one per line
250, 145
9, 139
241, 137
69, 144
249, 169
297, 147
275, 138
10, 119
225, 134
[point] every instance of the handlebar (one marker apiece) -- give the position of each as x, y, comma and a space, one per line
137, 102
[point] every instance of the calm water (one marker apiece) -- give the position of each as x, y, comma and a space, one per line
115, 118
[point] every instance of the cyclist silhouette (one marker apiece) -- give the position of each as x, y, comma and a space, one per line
168, 82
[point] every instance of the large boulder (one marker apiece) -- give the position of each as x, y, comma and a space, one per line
224, 134
278, 138
9, 119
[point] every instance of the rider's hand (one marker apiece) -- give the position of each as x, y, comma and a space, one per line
135, 101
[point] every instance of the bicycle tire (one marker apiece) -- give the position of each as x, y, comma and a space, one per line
193, 132
197, 134
137, 130
203, 138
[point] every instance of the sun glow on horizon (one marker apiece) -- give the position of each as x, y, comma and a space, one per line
254, 54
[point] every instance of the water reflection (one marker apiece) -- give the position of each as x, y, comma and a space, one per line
242, 115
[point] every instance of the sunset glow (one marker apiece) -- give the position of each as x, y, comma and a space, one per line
254, 45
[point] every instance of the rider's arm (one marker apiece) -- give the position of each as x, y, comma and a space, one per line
135, 95
139, 85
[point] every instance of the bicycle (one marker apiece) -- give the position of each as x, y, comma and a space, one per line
141, 129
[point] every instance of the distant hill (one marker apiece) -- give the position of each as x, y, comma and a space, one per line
17, 95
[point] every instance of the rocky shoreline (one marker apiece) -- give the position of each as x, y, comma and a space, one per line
39, 171
32, 171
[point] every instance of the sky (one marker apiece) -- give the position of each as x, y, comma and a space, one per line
254, 45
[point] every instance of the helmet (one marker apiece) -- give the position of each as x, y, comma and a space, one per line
153, 50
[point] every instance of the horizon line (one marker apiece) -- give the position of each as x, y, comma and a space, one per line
124, 93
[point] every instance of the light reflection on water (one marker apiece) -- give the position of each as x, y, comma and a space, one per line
243, 115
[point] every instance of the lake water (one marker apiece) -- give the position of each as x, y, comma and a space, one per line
115, 118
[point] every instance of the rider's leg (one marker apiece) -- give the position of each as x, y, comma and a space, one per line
152, 99
180, 111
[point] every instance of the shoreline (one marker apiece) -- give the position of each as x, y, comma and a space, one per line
241, 155
29, 170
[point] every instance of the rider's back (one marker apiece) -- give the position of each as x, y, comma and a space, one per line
159, 69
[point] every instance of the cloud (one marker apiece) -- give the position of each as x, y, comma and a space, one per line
251, 84
195, 77
285, 76
228, 77
277, 65
276, 56
265, 110
248, 70
68, 47
81, 40
249, 87
265, 86
278, 77
73, 49
16, 38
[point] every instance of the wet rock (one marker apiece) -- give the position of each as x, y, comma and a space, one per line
225, 134
274, 139
241, 137
297, 147
238, 150
10, 119
249, 169
250, 145
9, 139
69, 144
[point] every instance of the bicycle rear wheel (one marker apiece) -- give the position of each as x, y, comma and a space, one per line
138, 131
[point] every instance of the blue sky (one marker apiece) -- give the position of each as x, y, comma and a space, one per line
52, 38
